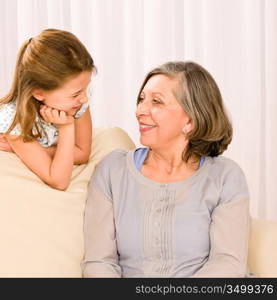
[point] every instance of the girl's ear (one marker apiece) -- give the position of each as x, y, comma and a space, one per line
38, 94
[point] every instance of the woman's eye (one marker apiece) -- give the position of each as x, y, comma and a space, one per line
140, 99
156, 101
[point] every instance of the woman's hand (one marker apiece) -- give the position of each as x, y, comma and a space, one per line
52, 115
4, 144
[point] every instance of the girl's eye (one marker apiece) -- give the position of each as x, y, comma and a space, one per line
156, 101
75, 96
140, 99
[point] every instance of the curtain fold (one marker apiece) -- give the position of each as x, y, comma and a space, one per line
235, 40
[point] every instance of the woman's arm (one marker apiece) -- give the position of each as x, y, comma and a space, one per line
101, 258
229, 231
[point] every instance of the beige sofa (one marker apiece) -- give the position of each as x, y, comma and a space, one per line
262, 258
41, 229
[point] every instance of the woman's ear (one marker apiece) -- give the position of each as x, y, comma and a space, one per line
38, 94
188, 127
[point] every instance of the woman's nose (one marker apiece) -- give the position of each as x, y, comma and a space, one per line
142, 109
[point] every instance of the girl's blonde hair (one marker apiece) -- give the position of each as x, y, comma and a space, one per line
200, 97
44, 62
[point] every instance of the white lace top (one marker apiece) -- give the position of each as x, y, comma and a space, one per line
50, 131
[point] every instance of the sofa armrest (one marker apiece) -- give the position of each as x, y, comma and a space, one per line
262, 255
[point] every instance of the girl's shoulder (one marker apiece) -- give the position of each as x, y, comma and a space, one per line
81, 110
49, 133
8, 108
7, 114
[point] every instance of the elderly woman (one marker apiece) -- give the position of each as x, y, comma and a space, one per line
176, 207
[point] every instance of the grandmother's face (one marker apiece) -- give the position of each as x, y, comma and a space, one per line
162, 120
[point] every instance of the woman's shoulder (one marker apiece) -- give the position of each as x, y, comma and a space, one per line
114, 159
113, 164
117, 154
226, 169
224, 163
231, 177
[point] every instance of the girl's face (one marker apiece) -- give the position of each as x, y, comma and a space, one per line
68, 97
161, 118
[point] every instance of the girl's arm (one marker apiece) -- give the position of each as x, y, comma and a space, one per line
4, 144
55, 171
83, 139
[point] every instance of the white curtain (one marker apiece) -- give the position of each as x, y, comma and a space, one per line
235, 40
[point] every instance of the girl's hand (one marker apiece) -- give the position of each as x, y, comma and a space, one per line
52, 115
4, 144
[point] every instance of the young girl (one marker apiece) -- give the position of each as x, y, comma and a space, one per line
45, 117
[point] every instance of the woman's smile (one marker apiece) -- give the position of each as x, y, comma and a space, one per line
145, 127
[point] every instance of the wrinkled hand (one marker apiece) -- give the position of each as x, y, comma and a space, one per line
4, 144
52, 115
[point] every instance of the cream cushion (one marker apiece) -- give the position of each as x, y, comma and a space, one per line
262, 257
41, 228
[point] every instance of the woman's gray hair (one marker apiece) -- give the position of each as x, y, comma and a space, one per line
200, 97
